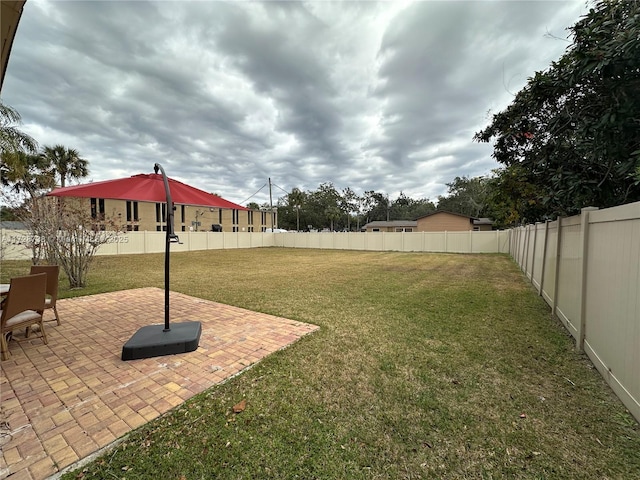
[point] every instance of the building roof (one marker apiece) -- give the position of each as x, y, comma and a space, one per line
445, 211
12, 225
474, 220
391, 223
146, 188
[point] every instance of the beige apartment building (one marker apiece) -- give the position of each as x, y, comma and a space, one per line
151, 216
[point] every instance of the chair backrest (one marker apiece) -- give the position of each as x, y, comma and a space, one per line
53, 272
25, 293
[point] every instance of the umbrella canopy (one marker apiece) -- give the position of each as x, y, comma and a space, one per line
145, 187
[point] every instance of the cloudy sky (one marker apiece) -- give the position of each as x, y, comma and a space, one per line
373, 96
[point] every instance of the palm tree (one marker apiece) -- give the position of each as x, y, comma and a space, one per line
296, 198
12, 139
65, 162
25, 173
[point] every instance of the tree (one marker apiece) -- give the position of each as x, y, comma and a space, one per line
349, 204
468, 196
25, 173
574, 130
11, 138
296, 200
376, 206
65, 163
510, 194
68, 235
324, 205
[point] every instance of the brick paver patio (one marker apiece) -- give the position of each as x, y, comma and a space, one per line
64, 401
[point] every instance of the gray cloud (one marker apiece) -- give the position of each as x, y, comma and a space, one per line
375, 96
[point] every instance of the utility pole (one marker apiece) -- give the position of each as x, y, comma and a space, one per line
271, 204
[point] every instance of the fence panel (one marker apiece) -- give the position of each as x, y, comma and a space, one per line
537, 260
591, 278
569, 274
549, 277
457, 242
612, 323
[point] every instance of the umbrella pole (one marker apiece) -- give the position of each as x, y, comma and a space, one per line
169, 237
150, 341
166, 282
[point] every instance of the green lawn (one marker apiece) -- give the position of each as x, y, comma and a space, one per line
425, 366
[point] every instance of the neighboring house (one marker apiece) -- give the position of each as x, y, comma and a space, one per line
391, 226
443, 221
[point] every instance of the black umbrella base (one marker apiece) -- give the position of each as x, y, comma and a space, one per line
153, 341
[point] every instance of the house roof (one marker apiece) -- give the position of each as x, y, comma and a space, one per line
391, 223
146, 187
12, 225
474, 220
445, 211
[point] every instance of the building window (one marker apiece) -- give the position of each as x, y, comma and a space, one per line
251, 229
476, 229
161, 212
250, 217
235, 215
235, 228
132, 211
375, 229
182, 214
97, 208
220, 216
408, 229
264, 218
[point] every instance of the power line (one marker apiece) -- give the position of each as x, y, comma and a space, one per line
281, 188
254, 194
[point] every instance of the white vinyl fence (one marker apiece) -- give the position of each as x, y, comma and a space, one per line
15, 243
587, 268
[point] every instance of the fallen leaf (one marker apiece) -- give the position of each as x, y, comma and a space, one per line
239, 407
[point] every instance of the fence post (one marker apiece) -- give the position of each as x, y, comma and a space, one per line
584, 245
544, 255
554, 300
525, 251
533, 254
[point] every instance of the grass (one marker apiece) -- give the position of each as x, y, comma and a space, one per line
425, 366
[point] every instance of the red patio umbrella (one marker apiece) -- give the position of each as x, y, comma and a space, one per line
146, 187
